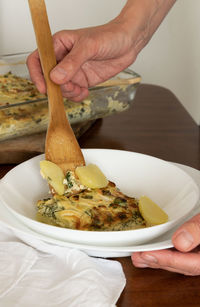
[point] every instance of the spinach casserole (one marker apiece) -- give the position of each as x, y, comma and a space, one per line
86, 200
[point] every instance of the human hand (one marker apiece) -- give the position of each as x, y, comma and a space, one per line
85, 58
184, 259
89, 56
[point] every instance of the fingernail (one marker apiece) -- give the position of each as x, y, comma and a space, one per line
149, 258
59, 73
184, 239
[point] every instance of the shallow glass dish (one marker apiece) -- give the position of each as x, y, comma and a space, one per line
133, 173
20, 116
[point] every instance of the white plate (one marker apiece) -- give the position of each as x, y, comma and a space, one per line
162, 242
135, 174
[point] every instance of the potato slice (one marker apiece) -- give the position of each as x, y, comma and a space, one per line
54, 175
91, 176
151, 212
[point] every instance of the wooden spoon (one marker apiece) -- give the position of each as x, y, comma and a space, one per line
61, 145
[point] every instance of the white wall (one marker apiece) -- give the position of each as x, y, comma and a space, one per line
171, 59
16, 31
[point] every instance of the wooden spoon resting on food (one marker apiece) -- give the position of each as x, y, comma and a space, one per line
61, 146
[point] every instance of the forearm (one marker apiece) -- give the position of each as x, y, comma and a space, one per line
141, 18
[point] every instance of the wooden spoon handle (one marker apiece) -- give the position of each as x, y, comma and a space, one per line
46, 53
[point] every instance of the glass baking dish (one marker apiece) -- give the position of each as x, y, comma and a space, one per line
20, 116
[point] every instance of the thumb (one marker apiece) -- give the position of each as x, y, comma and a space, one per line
70, 64
187, 237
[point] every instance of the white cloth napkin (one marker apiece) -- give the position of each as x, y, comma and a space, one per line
34, 273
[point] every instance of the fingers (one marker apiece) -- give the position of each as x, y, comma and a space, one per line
34, 65
68, 72
170, 260
83, 94
74, 92
187, 237
70, 66
69, 58
35, 70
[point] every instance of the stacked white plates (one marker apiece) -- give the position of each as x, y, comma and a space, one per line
174, 187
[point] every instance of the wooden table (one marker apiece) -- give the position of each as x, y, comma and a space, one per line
157, 125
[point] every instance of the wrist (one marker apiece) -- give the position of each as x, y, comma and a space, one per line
140, 19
